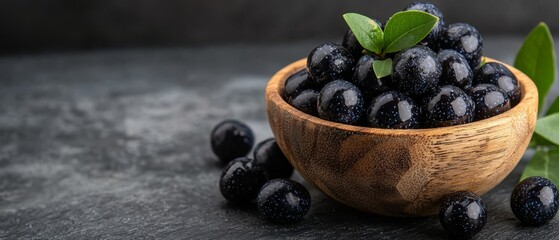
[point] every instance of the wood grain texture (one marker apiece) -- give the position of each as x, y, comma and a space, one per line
400, 172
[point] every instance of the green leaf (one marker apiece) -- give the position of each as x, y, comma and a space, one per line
536, 58
545, 163
368, 33
554, 108
548, 128
382, 68
405, 29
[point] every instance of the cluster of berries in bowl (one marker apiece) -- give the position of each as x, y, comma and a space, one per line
440, 82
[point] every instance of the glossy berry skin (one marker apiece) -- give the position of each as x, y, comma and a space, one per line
241, 180
231, 139
340, 101
534, 201
438, 30
364, 77
268, 155
329, 62
306, 102
489, 100
297, 83
466, 40
352, 45
500, 76
416, 70
283, 201
448, 106
455, 69
393, 110
463, 214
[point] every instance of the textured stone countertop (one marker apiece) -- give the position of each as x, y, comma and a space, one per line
115, 144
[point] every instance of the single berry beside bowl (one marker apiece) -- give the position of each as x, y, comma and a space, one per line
366, 80
340, 101
269, 155
534, 201
466, 40
231, 139
500, 76
455, 69
463, 214
416, 70
306, 102
393, 109
448, 106
436, 32
329, 62
241, 180
489, 100
283, 201
297, 83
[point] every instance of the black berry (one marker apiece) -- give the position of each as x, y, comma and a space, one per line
489, 100
329, 62
296, 83
364, 77
534, 201
352, 45
241, 180
231, 139
416, 70
500, 76
269, 155
448, 106
393, 110
437, 31
306, 102
455, 69
463, 214
283, 201
466, 40
340, 101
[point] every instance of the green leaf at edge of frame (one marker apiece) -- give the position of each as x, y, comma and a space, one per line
536, 58
406, 29
548, 128
368, 33
544, 163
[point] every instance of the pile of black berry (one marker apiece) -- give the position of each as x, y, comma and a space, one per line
440, 82
264, 177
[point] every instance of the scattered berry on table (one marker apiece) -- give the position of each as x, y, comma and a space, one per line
500, 76
241, 180
463, 214
455, 69
269, 155
340, 101
329, 62
465, 39
534, 201
489, 100
306, 102
231, 139
447, 106
416, 70
393, 109
283, 201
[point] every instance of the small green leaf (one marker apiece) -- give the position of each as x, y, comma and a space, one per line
545, 163
368, 33
382, 68
536, 58
554, 108
405, 29
548, 128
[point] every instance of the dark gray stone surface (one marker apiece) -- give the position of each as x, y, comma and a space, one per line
115, 145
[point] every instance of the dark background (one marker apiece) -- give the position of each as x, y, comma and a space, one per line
29, 26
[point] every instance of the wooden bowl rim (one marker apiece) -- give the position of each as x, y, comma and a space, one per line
276, 84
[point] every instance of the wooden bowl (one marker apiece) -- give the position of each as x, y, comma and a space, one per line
400, 172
